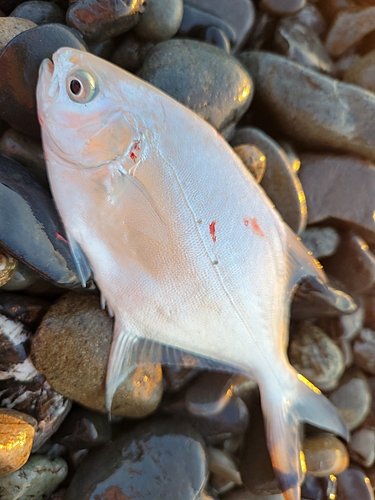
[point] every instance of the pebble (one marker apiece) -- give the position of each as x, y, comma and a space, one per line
35, 480
10, 27
352, 398
26, 151
364, 350
348, 28
39, 12
253, 158
8, 266
351, 203
353, 484
222, 464
98, 20
247, 495
319, 488
217, 37
362, 447
283, 7
27, 309
176, 377
160, 21
325, 454
301, 44
16, 439
362, 72
321, 241
218, 89
32, 230
280, 181
23, 279
316, 356
312, 17
312, 108
71, 348
344, 327
130, 52
158, 459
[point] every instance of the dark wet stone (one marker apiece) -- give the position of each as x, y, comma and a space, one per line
325, 454
19, 68
319, 488
362, 72
283, 7
362, 447
23, 388
130, 52
71, 348
352, 398
308, 106
202, 77
253, 158
280, 181
160, 21
321, 241
176, 377
351, 203
40, 12
10, 27
83, 428
353, 484
98, 20
243, 494
239, 15
26, 151
27, 309
364, 350
215, 36
348, 28
301, 44
316, 356
159, 459
353, 264
261, 36
32, 231
103, 49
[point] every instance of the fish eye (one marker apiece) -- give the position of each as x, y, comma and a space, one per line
81, 86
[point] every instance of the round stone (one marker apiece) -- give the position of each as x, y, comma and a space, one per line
325, 454
10, 27
253, 159
353, 484
39, 12
362, 447
364, 350
160, 21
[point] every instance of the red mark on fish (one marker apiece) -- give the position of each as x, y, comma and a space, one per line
254, 225
61, 237
213, 230
136, 147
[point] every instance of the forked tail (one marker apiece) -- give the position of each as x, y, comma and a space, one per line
283, 413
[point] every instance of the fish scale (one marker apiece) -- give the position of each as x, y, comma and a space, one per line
187, 250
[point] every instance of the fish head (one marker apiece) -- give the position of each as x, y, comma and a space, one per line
90, 111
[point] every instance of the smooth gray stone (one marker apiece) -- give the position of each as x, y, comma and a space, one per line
160, 21
313, 109
39, 12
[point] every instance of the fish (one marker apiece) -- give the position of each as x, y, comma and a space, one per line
189, 254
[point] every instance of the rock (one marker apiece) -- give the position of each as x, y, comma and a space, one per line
8, 266
38, 477
10, 27
39, 12
348, 28
31, 229
311, 108
351, 203
243, 494
369, 422
325, 454
222, 464
344, 327
283, 7
353, 484
160, 21
19, 66
176, 377
156, 460
130, 52
26, 309
103, 49
319, 488
362, 72
184, 69
24, 278
362, 447
312, 17
253, 159
352, 398
23, 388
364, 350
321, 241
71, 349
98, 20
301, 44
26, 151
316, 356
16, 439
280, 181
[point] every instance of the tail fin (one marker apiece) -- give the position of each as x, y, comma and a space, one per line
282, 414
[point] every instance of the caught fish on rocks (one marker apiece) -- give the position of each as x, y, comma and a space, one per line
188, 252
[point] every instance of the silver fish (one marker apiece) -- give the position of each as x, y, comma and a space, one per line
185, 247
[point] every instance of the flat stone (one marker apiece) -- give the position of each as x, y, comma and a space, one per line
313, 109
325, 454
353, 484
71, 348
351, 203
280, 181
10, 27
16, 439
348, 28
316, 356
362, 72
364, 350
158, 459
283, 7
202, 77
362, 447
160, 21
301, 44
352, 398
35, 480
321, 241
39, 12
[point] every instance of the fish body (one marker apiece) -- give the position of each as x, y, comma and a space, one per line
186, 249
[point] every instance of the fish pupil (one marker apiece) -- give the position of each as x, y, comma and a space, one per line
75, 87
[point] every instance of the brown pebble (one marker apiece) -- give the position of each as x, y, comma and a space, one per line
11, 27
325, 454
253, 158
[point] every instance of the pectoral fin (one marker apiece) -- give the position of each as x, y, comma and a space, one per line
80, 260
